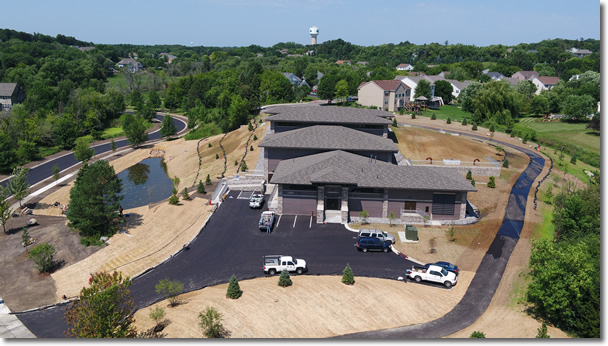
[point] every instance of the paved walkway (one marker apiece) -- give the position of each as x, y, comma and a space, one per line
10, 326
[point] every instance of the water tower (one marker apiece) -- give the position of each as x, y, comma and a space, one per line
314, 32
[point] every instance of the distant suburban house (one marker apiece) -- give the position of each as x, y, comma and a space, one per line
132, 64
495, 75
524, 75
579, 53
412, 82
404, 67
337, 162
284, 51
390, 95
342, 62
458, 86
544, 83
169, 57
10, 94
295, 80
86, 49
362, 63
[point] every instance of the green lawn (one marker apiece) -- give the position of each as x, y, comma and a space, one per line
574, 133
576, 170
445, 112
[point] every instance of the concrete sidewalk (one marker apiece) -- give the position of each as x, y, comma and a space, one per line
10, 326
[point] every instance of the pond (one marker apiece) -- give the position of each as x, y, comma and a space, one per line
144, 183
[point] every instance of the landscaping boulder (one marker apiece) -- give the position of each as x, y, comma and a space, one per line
104, 239
32, 222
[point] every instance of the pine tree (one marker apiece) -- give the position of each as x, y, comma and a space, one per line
413, 116
492, 182
348, 277
474, 127
573, 159
469, 175
210, 145
505, 163
478, 335
251, 148
542, 332
284, 279
185, 194
234, 290
201, 187
113, 145
208, 180
255, 138
174, 200
464, 121
449, 121
473, 182
492, 129
433, 116
244, 167
217, 156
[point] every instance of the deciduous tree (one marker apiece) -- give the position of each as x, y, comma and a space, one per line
82, 151
18, 186
167, 128
169, 289
6, 212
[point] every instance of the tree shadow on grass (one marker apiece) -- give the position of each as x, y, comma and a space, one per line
130, 222
593, 133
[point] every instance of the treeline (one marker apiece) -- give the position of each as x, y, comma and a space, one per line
566, 275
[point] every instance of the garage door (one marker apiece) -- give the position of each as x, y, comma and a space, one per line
299, 205
443, 204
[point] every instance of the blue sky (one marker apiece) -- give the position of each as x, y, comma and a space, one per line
267, 22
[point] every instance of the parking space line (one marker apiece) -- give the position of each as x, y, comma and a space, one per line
294, 221
279, 220
310, 224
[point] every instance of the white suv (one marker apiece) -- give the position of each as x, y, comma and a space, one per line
376, 233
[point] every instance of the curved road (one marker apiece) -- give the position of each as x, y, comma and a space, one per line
225, 247
45, 170
483, 286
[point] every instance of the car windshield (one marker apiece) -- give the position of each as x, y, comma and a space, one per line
444, 272
295, 261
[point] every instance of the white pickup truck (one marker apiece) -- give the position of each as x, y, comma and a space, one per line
266, 219
256, 200
433, 273
277, 263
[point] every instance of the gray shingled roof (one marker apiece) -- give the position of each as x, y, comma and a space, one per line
340, 167
328, 115
7, 89
328, 137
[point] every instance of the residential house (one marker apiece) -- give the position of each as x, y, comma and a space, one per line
495, 75
295, 80
412, 82
524, 75
544, 83
132, 64
342, 62
10, 94
284, 51
169, 57
336, 161
579, 53
404, 67
390, 95
86, 49
458, 86
362, 63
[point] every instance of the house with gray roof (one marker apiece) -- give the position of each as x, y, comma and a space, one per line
524, 75
338, 161
130, 63
390, 95
295, 80
10, 94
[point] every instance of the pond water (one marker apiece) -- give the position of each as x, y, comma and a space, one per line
144, 183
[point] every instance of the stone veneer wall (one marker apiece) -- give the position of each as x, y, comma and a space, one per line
320, 204
475, 170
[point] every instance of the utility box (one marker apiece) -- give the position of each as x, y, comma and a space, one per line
411, 233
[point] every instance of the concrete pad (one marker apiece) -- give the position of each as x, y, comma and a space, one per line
10, 326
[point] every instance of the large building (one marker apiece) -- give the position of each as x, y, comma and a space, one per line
10, 94
337, 161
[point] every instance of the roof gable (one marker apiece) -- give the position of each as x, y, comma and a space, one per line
547, 80
389, 85
328, 115
7, 89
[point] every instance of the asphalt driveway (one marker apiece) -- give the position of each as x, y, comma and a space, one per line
231, 244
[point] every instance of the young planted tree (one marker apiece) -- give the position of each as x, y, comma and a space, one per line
284, 279
208, 180
473, 182
573, 159
474, 127
348, 278
42, 255
174, 200
217, 156
185, 194
200, 188
469, 175
167, 128
505, 163
449, 121
478, 335
210, 322
249, 127
464, 121
492, 182
18, 186
244, 167
82, 151
492, 129
391, 218
499, 149
255, 138
234, 290
94, 199
25, 237
395, 119
251, 148
542, 332
103, 310
157, 315
6, 212
56, 172
364, 215
169, 289
433, 116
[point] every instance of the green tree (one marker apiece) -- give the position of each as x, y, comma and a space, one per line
449, 121
505, 163
573, 159
210, 322
18, 186
25, 237
174, 200
244, 167
499, 149
474, 127
492, 129
167, 128
185, 194
208, 180
169, 289
364, 215
103, 310
56, 172
423, 89
342, 90
135, 130
284, 279
234, 290
94, 199
578, 106
467, 95
6, 212
469, 175
157, 314
42, 255
473, 182
542, 332
348, 278
433, 116
391, 218
200, 188
327, 87
477, 335
82, 151
113, 145
27, 151
464, 121
492, 182
444, 90
539, 105
154, 99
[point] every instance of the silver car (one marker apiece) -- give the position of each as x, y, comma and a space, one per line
376, 233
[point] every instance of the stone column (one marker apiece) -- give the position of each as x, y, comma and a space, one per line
385, 132
320, 203
280, 200
385, 204
344, 206
463, 205
266, 165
